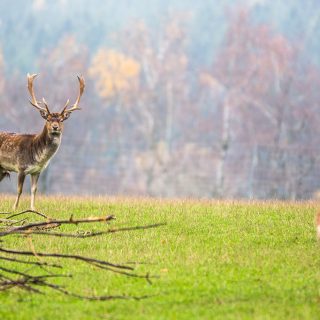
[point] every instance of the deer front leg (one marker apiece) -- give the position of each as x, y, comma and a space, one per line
34, 184
21, 177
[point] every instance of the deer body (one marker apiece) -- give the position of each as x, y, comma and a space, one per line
31, 153
27, 153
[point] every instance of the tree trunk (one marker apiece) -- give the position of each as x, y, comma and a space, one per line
225, 146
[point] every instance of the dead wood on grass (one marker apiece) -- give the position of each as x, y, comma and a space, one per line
12, 278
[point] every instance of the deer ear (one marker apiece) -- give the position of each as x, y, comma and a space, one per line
65, 115
44, 114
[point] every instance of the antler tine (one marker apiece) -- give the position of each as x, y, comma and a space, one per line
76, 104
34, 101
45, 104
65, 107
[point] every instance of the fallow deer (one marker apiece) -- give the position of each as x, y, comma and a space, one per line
31, 153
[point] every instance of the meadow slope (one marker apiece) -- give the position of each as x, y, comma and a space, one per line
216, 260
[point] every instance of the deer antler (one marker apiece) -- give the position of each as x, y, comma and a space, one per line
76, 104
34, 101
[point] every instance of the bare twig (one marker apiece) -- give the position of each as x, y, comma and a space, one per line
35, 277
92, 298
28, 211
55, 222
45, 264
67, 256
146, 276
21, 222
90, 234
21, 283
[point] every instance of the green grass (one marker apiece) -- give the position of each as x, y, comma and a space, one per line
216, 260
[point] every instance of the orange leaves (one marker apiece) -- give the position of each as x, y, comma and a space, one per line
254, 58
206, 79
114, 72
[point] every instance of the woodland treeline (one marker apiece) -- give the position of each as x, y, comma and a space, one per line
182, 99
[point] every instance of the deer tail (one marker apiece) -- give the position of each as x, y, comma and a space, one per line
4, 174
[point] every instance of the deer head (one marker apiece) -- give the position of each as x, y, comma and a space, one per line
54, 120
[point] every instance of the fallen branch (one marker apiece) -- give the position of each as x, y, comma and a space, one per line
67, 256
44, 264
89, 234
28, 211
11, 278
37, 225
34, 277
93, 298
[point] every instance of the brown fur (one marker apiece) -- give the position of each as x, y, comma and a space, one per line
29, 153
22, 150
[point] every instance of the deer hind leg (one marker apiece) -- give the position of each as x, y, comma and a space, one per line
34, 183
21, 177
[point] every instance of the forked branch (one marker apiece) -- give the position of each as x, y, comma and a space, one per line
11, 278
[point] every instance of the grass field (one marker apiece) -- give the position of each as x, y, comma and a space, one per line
216, 260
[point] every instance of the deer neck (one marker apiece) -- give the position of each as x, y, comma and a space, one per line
46, 145
48, 139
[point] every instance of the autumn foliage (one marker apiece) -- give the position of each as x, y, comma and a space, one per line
157, 121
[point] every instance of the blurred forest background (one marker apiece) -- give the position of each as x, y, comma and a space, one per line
184, 98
